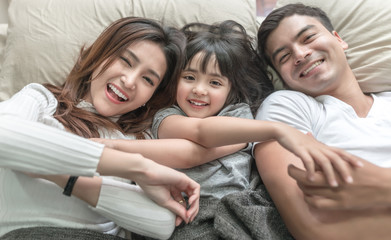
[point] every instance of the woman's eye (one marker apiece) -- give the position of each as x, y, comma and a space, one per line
126, 61
149, 81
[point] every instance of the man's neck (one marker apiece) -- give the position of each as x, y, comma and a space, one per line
353, 95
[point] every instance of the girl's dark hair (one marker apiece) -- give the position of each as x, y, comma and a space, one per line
236, 58
271, 22
110, 45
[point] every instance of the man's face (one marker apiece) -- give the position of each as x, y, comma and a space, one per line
308, 57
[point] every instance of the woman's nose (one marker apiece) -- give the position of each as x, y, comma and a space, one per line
129, 81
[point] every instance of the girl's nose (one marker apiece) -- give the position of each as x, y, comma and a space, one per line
199, 90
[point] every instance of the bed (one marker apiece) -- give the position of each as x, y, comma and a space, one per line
42, 38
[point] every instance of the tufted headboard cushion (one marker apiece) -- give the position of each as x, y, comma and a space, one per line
44, 36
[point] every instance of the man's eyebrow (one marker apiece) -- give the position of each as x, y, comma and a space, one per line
303, 30
135, 58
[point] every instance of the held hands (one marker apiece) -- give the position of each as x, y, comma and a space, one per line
315, 154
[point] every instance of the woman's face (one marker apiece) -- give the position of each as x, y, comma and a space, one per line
130, 81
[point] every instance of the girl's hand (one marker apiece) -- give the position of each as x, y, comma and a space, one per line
315, 154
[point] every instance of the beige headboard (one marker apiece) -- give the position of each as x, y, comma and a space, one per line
3, 11
45, 36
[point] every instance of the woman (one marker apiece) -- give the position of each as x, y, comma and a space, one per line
114, 89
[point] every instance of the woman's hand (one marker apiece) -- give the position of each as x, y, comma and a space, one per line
165, 186
315, 154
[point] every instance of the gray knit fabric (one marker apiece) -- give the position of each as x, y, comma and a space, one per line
249, 214
56, 233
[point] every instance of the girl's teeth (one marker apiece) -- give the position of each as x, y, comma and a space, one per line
197, 103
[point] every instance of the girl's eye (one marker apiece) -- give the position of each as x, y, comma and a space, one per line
126, 61
188, 77
215, 83
149, 81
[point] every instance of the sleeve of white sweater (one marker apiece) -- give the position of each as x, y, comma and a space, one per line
131, 209
28, 144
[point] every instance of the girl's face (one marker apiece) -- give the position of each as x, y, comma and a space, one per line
201, 94
130, 81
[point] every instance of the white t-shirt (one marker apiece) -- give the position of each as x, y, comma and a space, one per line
335, 123
32, 140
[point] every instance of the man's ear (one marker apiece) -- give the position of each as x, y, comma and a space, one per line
343, 43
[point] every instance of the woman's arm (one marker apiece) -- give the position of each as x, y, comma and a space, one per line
120, 201
305, 222
123, 203
175, 153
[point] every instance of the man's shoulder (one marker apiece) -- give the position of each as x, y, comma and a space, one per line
286, 96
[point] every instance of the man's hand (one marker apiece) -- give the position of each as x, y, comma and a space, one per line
371, 188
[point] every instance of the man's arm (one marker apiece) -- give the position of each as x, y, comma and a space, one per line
305, 222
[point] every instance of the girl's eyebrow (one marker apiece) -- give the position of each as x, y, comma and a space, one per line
211, 74
136, 59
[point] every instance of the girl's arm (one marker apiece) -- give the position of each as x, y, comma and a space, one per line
175, 153
218, 131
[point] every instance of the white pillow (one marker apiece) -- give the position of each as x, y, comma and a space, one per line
3, 37
45, 36
365, 26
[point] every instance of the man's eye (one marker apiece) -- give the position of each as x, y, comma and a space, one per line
284, 58
309, 37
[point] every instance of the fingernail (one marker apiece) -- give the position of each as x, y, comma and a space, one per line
360, 164
334, 183
349, 179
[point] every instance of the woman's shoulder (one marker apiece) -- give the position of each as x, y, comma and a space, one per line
37, 93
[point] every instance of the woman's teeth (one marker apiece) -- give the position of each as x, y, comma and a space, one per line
117, 92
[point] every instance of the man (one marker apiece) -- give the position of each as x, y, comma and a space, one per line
299, 43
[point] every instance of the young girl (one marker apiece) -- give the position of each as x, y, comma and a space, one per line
221, 85
115, 88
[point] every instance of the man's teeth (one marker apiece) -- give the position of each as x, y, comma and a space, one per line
312, 67
198, 104
116, 91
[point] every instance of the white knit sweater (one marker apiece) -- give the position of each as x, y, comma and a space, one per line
32, 140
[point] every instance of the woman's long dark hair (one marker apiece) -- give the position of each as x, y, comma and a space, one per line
236, 58
109, 46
